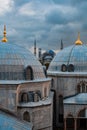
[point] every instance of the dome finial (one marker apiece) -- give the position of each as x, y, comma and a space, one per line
78, 41
4, 39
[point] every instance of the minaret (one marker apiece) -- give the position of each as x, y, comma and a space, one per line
61, 45
35, 47
78, 41
4, 39
39, 53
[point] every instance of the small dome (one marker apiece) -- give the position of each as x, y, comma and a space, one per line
14, 60
74, 56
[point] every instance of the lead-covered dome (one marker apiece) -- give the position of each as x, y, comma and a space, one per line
71, 59
17, 63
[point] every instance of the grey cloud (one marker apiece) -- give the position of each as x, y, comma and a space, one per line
50, 28
56, 17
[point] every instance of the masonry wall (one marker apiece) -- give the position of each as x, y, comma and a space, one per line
40, 116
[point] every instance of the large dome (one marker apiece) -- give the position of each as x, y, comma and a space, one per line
72, 59
14, 60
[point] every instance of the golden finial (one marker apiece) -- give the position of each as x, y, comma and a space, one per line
78, 41
4, 39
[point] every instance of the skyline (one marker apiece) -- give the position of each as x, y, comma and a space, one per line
47, 21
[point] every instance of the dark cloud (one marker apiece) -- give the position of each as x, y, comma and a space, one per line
53, 20
69, 2
56, 17
21, 2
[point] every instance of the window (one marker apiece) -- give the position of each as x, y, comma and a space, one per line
24, 97
36, 97
39, 93
82, 87
26, 116
31, 96
29, 73
71, 68
63, 68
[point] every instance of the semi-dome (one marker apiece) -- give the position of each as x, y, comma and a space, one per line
14, 60
71, 59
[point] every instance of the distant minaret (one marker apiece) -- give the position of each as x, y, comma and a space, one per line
35, 47
61, 45
4, 39
39, 53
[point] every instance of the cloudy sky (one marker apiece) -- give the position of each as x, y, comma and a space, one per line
47, 21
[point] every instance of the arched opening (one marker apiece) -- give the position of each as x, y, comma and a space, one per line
31, 96
71, 68
70, 123
63, 68
24, 97
26, 116
36, 97
82, 87
82, 120
38, 93
61, 109
29, 73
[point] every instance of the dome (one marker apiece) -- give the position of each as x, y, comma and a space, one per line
14, 60
74, 58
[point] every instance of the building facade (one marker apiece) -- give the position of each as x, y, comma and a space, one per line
24, 88
68, 71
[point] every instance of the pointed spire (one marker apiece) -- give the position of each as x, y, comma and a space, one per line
35, 47
4, 39
78, 41
61, 45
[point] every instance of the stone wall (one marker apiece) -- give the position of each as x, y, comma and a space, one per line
8, 97
40, 116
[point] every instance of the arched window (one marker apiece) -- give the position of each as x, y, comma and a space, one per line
31, 96
63, 68
24, 97
26, 116
61, 109
36, 97
38, 93
71, 68
29, 73
82, 87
